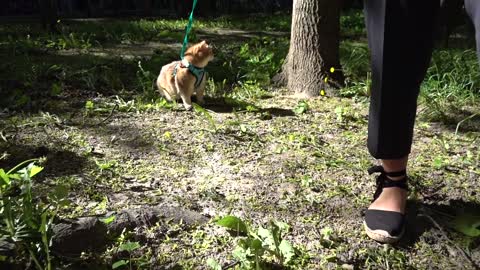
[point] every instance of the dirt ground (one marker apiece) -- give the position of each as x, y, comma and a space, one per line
308, 170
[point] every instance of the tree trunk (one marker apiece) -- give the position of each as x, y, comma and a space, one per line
314, 48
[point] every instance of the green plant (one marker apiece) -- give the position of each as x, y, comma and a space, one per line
357, 88
249, 91
145, 80
128, 247
341, 112
354, 58
216, 89
352, 23
124, 245
385, 257
468, 224
254, 246
26, 220
107, 165
260, 59
450, 84
198, 109
302, 107
70, 41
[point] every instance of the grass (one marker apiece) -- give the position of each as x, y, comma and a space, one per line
98, 33
252, 153
352, 23
451, 84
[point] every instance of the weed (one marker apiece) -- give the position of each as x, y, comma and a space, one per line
108, 165
302, 107
254, 245
126, 246
354, 58
145, 80
216, 89
248, 91
451, 83
384, 258
207, 115
261, 59
352, 23
26, 220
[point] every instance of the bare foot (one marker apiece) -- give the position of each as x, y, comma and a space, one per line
391, 199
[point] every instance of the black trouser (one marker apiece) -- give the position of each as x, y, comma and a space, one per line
400, 37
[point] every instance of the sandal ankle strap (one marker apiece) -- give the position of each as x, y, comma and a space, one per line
384, 182
380, 169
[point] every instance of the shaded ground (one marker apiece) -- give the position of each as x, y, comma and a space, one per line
145, 49
307, 170
268, 163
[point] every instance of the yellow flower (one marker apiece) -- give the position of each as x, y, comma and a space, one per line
322, 92
326, 79
332, 69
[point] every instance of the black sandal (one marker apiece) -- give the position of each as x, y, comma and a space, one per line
380, 225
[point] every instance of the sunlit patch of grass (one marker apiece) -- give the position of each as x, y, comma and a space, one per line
97, 33
450, 91
354, 57
385, 257
452, 83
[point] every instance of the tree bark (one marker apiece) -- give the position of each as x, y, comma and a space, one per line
314, 48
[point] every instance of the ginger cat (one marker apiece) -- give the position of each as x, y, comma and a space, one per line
181, 79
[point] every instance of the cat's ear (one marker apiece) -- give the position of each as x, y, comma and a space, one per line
204, 44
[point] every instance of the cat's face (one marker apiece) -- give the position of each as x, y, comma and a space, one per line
206, 49
200, 53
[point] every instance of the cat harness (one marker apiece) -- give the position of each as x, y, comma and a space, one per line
197, 72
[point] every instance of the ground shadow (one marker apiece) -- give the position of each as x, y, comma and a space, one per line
58, 162
129, 136
222, 105
462, 120
422, 217
228, 35
61, 83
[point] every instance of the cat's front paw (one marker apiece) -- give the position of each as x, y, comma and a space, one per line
188, 107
